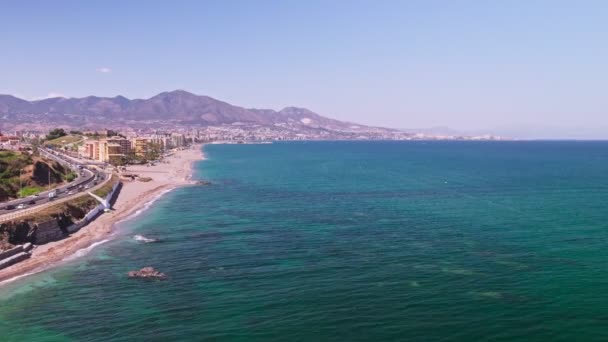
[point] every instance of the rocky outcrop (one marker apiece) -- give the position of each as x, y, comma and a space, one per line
19, 232
48, 231
51, 229
44, 172
147, 273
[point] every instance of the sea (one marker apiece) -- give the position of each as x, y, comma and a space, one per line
347, 241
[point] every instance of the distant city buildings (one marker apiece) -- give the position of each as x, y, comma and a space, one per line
141, 144
10, 142
116, 149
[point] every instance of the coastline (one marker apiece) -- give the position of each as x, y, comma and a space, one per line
175, 171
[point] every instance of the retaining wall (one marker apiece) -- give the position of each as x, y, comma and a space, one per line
9, 253
93, 213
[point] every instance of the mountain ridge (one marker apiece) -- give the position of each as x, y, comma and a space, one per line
178, 106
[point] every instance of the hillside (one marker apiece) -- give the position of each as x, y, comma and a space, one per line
20, 170
177, 107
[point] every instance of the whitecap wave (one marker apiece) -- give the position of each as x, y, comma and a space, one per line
141, 238
10, 280
84, 251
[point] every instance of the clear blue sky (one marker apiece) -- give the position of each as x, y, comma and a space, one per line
407, 64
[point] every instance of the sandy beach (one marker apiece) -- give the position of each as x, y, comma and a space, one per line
174, 171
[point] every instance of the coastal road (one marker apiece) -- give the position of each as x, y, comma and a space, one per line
86, 178
7, 215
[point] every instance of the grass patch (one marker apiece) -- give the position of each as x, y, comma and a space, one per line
105, 190
70, 176
31, 190
81, 204
65, 140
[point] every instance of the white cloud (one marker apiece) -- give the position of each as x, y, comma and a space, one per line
48, 96
53, 94
104, 70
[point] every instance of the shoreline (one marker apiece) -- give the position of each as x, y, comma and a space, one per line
134, 198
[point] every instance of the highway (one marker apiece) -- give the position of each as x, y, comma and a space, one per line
86, 178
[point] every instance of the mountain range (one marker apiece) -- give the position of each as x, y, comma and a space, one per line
174, 107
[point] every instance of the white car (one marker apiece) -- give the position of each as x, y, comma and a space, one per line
21, 206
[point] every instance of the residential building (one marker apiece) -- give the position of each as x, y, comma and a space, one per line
113, 153
140, 145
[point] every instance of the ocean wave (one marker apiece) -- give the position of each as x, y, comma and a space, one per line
141, 238
84, 251
10, 280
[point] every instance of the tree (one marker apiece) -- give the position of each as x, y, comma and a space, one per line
56, 133
152, 152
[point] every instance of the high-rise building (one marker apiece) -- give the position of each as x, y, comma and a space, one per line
125, 144
178, 140
113, 153
140, 145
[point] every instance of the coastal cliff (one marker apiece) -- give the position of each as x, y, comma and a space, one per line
55, 222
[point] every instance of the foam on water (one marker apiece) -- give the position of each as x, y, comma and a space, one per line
84, 251
141, 238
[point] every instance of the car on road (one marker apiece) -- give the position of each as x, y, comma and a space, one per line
9, 207
70, 192
35, 195
32, 202
21, 206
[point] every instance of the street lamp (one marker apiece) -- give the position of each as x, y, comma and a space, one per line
20, 183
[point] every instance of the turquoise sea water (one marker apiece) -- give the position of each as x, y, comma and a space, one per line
348, 241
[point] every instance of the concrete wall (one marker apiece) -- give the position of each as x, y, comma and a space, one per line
15, 255
9, 253
14, 259
91, 215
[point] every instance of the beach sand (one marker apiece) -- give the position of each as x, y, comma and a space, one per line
176, 170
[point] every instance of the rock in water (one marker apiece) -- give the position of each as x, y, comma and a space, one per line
147, 273
203, 182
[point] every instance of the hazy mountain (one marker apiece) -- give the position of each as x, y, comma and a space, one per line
176, 106
9, 103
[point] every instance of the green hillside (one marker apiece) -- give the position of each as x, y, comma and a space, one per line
28, 173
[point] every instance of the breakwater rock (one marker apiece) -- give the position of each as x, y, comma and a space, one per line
147, 273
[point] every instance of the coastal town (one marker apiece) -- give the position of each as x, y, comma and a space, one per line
95, 179
113, 146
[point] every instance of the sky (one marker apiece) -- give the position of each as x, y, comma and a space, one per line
527, 67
